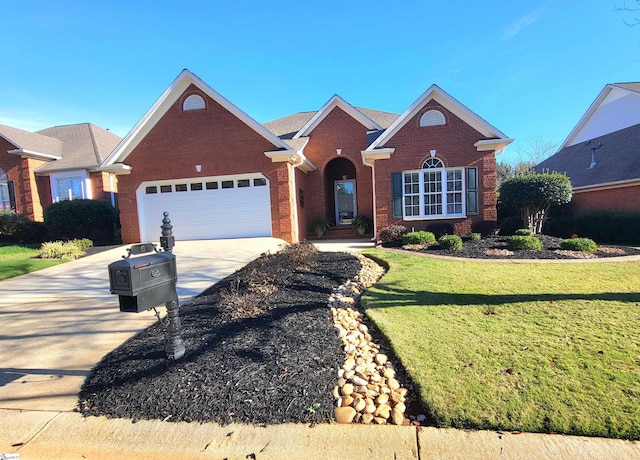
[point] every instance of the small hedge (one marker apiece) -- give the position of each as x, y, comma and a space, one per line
72, 250
579, 244
392, 235
17, 228
612, 227
523, 232
453, 242
440, 228
421, 237
526, 242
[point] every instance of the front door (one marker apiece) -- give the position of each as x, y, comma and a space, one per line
345, 201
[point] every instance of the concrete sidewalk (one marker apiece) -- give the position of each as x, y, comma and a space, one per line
57, 324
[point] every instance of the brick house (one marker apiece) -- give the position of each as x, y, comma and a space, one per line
221, 174
58, 163
601, 155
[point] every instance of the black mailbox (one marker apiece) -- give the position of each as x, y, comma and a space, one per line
145, 281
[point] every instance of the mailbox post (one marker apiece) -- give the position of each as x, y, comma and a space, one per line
149, 279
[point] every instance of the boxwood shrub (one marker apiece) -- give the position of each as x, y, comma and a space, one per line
523, 232
527, 242
450, 242
579, 244
93, 219
420, 237
18, 228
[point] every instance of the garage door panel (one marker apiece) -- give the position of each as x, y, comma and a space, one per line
208, 214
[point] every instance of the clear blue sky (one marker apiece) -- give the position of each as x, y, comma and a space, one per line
529, 68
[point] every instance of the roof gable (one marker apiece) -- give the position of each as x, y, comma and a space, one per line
32, 144
435, 93
166, 100
616, 107
333, 102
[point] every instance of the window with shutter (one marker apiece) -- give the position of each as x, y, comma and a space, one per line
472, 191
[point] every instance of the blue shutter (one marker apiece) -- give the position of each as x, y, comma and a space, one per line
396, 184
12, 195
472, 191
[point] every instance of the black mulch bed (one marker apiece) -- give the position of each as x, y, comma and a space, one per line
476, 249
264, 361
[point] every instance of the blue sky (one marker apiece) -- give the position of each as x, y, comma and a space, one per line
529, 68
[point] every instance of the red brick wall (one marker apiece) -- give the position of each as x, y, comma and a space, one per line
338, 130
621, 198
453, 143
20, 171
213, 138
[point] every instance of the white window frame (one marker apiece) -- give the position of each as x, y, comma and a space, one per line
408, 199
80, 175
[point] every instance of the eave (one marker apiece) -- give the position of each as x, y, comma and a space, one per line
497, 145
297, 159
35, 155
607, 185
377, 154
118, 169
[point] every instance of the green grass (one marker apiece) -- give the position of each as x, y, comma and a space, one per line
17, 260
532, 347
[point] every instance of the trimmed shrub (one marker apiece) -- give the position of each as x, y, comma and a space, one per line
579, 244
561, 226
74, 219
476, 236
83, 243
523, 232
526, 242
510, 224
485, 227
421, 237
61, 250
440, 228
450, 242
612, 227
19, 228
392, 235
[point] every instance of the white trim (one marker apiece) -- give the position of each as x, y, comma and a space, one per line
443, 193
437, 94
607, 186
336, 101
497, 145
590, 111
293, 157
116, 168
175, 90
85, 184
378, 154
35, 155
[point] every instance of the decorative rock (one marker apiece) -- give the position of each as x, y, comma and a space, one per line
359, 381
349, 374
344, 414
402, 391
381, 359
346, 401
380, 420
341, 381
367, 419
383, 410
336, 392
359, 404
389, 373
393, 384
401, 407
397, 417
347, 389
370, 409
382, 399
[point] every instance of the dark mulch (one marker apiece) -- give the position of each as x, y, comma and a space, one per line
476, 249
272, 358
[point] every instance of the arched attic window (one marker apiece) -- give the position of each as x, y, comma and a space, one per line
194, 102
432, 118
432, 163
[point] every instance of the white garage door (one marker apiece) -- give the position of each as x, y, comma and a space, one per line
209, 208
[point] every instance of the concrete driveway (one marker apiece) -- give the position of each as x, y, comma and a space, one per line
57, 323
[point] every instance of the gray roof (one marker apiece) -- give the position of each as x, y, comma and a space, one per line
617, 157
33, 142
632, 86
287, 127
84, 145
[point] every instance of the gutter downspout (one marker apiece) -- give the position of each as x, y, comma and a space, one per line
373, 188
294, 165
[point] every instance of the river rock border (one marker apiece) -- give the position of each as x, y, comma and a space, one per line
367, 390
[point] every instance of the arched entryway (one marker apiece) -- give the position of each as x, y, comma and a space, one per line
341, 191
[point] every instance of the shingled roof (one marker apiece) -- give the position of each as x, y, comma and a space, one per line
287, 127
616, 156
31, 142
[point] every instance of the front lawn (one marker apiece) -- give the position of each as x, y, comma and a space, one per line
532, 347
17, 260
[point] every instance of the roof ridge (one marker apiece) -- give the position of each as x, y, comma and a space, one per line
96, 148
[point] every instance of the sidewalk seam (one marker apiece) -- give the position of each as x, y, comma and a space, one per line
418, 441
38, 432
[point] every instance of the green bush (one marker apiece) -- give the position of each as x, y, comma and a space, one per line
392, 235
440, 228
18, 228
560, 226
579, 244
612, 227
362, 223
523, 232
421, 237
61, 250
527, 242
74, 219
450, 242
476, 236
83, 243
510, 224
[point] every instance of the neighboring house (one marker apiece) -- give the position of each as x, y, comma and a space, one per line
59, 163
601, 155
221, 174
